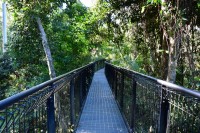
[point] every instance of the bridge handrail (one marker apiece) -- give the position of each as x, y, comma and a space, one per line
169, 85
11, 100
153, 105
37, 103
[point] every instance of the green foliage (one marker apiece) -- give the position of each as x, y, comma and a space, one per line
128, 33
154, 1
67, 37
136, 35
6, 67
15, 78
1, 34
66, 30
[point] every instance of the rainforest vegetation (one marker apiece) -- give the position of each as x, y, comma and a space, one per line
160, 38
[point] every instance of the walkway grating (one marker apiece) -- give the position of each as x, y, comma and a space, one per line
101, 113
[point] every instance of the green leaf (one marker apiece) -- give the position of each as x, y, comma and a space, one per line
198, 4
149, 1
184, 18
25, 9
143, 8
160, 51
161, 12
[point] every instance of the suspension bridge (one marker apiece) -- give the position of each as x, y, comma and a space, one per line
102, 98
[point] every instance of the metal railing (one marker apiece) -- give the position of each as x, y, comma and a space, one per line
150, 105
34, 110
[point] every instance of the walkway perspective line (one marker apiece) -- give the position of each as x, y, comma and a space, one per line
101, 113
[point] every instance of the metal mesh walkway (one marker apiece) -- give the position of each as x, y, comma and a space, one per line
101, 113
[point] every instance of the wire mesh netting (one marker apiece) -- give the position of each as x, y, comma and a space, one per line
27, 115
63, 111
184, 112
148, 97
151, 106
32, 111
127, 102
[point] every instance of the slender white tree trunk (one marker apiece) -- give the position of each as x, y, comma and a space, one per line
172, 62
47, 50
172, 37
4, 27
52, 74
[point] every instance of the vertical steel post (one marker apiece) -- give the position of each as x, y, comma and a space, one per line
113, 80
116, 84
83, 84
6, 126
134, 85
81, 90
164, 109
97, 65
51, 115
86, 82
72, 109
122, 90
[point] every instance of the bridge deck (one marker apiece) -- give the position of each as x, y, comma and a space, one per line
101, 113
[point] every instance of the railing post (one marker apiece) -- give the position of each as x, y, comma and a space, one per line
83, 84
86, 82
113, 83
92, 73
51, 115
116, 84
97, 65
122, 90
134, 85
81, 89
164, 109
72, 109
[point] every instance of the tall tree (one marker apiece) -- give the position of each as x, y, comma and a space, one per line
34, 11
157, 30
47, 50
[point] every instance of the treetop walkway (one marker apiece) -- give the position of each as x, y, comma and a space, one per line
101, 113
102, 98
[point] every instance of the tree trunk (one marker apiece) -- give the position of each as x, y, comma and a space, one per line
164, 58
52, 73
163, 46
47, 50
172, 37
172, 63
